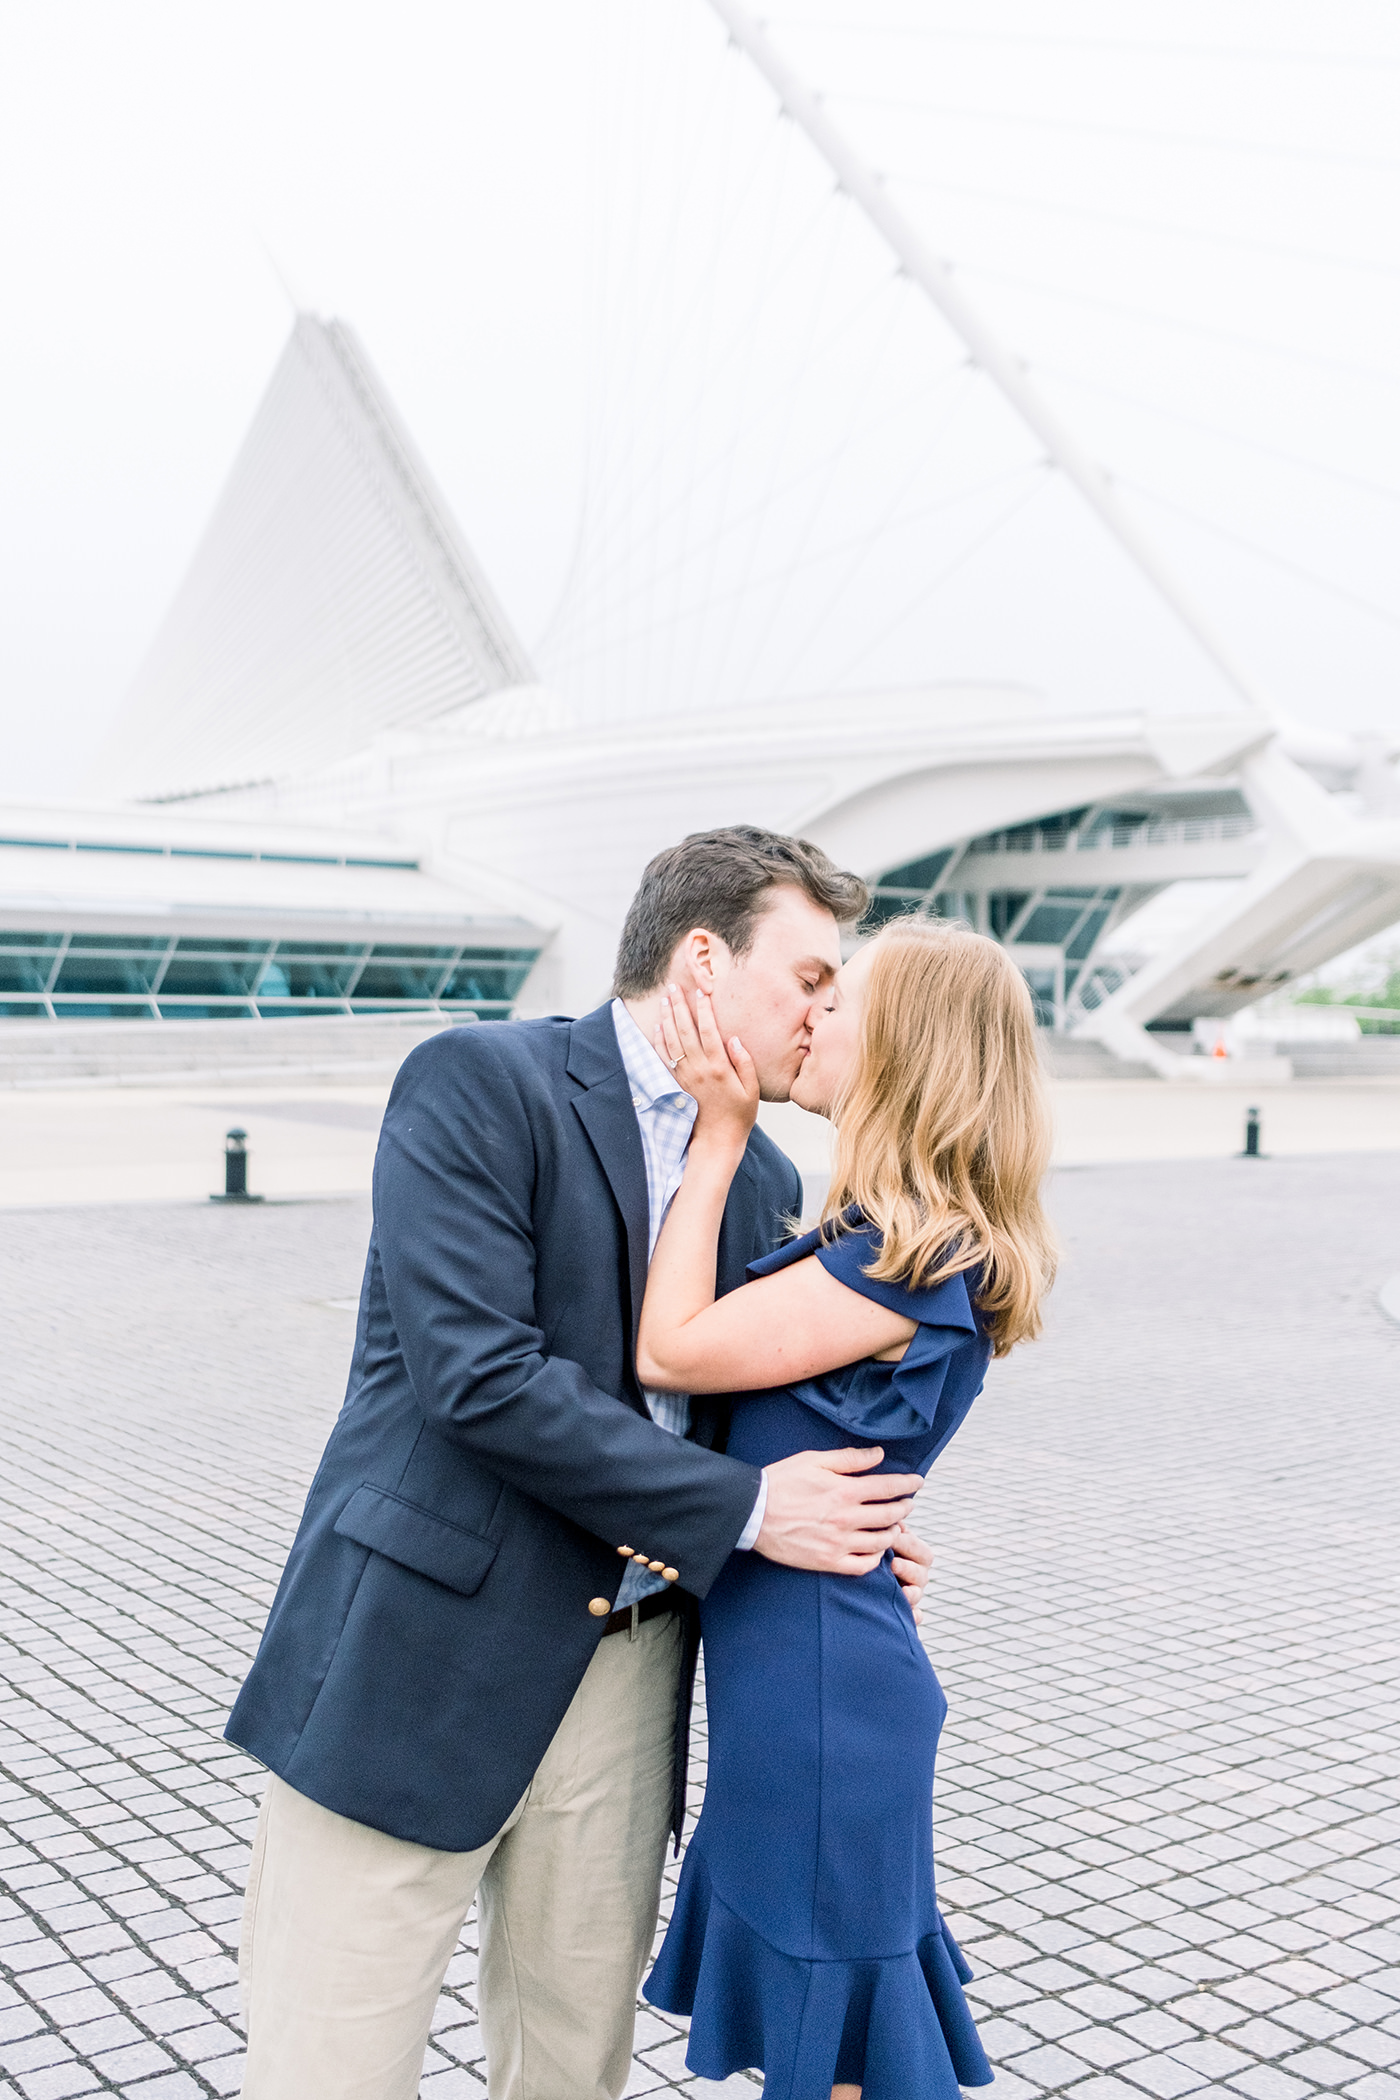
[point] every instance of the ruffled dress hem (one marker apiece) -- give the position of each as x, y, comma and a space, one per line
897, 2025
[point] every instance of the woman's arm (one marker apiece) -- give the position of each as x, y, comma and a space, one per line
784, 1327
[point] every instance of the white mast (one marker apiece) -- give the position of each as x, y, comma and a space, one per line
933, 277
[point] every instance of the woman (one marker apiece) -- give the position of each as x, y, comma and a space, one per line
806, 1940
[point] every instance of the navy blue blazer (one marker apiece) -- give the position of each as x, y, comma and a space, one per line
494, 1449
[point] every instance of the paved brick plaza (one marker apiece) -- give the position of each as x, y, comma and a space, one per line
1166, 1622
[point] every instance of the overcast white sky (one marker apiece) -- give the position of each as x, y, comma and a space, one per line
707, 446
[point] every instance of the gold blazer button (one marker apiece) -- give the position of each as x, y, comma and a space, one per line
671, 1574
599, 1606
656, 1566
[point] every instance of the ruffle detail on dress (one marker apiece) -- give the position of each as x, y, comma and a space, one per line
896, 2027
888, 1402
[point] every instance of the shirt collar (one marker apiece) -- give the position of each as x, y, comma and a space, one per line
650, 1079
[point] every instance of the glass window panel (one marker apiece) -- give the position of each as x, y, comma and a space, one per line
1002, 907
320, 860
125, 943
314, 980
1050, 923
31, 940
1088, 933
320, 948
396, 948
24, 973
195, 1010
222, 947
499, 955
102, 1010
351, 862
1060, 894
391, 1006
211, 977
480, 981
955, 904
22, 1010
91, 846
109, 974
917, 874
883, 909
403, 980
209, 853
1042, 990
56, 845
483, 1012
292, 1009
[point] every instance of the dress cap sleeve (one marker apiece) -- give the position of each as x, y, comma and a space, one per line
783, 1257
855, 1248
881, 1400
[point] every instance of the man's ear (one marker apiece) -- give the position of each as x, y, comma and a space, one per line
708, 957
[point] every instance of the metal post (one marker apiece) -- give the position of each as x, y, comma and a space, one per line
933, 276
1251, 1134
236, 1165
236, 1170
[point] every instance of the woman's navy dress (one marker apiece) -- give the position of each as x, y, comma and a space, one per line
806, 1941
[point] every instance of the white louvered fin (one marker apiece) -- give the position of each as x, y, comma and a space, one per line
332, 597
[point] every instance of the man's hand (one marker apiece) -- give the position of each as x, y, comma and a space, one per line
912, 1562
823, 1514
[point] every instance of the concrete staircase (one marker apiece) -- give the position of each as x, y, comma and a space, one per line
363, 1047
1076, 1057
1370, 1057
371, 1047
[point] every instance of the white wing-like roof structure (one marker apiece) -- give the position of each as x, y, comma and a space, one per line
331, 598
376, 805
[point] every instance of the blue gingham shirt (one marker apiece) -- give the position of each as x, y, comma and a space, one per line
665, 1117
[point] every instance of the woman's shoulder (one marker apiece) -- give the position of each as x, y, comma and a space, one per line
848, 1246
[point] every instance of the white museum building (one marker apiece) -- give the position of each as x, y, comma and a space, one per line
338, 787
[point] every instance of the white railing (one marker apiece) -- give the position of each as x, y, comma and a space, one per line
1169, 831
1095, 986
1386, 1017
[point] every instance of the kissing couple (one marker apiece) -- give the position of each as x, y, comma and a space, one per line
604, 1406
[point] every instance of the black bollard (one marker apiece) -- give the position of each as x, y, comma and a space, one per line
1251, 1135
236, 1170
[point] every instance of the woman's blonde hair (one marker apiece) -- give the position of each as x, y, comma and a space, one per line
943, 1130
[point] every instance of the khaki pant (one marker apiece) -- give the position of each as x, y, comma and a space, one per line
347, 1932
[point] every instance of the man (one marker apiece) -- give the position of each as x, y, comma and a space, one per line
476, 1673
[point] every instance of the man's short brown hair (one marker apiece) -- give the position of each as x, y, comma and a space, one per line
719, 880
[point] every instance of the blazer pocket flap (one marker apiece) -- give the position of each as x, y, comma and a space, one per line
417, 1539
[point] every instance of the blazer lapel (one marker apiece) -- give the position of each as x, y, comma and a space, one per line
606, 1113
738, 1230
739, 1240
